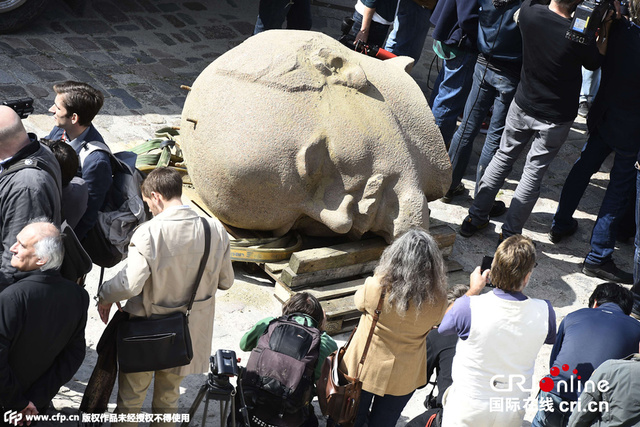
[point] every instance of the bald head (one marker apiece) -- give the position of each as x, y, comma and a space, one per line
38, 246
13, 136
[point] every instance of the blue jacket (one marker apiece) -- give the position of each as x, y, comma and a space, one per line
498, 35
456, 23
96, 172
586, 338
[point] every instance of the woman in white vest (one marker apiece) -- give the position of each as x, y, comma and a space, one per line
500, 335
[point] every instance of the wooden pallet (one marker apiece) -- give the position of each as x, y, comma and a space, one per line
333, 272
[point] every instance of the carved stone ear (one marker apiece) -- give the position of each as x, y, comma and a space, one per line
403, 62
328, 201
338, 70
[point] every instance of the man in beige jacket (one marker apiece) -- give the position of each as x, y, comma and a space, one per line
163, 260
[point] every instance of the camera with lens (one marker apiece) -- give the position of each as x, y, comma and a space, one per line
587, 19
23, 106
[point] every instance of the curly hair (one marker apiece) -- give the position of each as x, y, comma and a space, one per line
412, 271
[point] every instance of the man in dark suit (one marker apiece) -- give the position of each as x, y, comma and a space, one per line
42, 324
74, 108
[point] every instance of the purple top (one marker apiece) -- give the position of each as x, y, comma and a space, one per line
458, 318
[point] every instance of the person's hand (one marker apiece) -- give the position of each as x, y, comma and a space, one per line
29, 410
478, 280
104, 309
363, 35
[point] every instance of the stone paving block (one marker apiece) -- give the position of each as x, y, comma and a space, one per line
81, 75
71, 60
108, 11
187, 19
15, 42
81, 44
129, 6
57, 27
148, 5
7, 78
100, 58
168, 7
180, 38
192, 36
126, 28
243, 27
144, 23
122, 59
128, 100
174, 21
105, 43
9, 92
139, 88
89, 27
158, 53
41, 45
195, 6
124, 41
230, 18
6, 49
46, 62
153, 71
143, 58
24, 76
29, 65
166, 39
50, 76
218, 32
38, 91
173, 63
103, 79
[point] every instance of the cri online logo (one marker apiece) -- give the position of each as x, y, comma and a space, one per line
547, 383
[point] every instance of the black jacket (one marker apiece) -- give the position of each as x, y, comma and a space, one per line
42, 321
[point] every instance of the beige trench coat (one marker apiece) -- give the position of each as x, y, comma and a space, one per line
396, 362
164, 256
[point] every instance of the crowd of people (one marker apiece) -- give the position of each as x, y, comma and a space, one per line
510, 57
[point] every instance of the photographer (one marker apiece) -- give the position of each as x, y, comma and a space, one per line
612, 128
305, 309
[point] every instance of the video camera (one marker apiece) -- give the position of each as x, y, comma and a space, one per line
223, 366
350, 41
588, 18
23, 106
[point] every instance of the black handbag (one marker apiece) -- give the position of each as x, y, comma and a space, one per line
160, 342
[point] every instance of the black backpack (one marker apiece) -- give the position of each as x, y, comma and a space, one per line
107, 242
278, 381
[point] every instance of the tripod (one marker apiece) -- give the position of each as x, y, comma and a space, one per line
217, 387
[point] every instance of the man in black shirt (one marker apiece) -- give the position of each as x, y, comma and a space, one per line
545, 105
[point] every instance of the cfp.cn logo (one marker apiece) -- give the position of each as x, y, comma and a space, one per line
12, 417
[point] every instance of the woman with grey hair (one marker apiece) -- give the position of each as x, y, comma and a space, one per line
412, 277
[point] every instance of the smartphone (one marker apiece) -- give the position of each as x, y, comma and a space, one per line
486, 265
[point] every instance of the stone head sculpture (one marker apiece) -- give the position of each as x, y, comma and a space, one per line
291, 129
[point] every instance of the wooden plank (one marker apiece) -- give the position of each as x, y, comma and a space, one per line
339, 307
320, 278
458, 278
275, 267
337, 290
337, 256
444, 235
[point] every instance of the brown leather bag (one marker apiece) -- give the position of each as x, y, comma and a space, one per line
338, 393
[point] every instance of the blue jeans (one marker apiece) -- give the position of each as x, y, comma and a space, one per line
519, 129
550, 418
377, 31
450, 92
272, 13
590, 84
384, 411
410, 28
614, 203
494, 88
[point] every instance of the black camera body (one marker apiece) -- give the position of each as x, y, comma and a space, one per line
23, 106
587, 19
224, 363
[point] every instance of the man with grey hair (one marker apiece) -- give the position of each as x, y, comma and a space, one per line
42, 324
30, 186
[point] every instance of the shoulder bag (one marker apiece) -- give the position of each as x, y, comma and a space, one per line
338, 393
155, 343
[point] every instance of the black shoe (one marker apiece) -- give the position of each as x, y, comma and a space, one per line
608, 271
497, 209
467, 229
447, 198
583, 108
555, 236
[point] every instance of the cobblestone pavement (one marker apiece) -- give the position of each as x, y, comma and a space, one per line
139, 52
